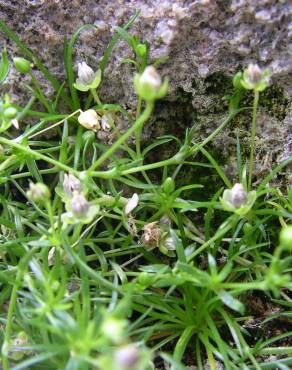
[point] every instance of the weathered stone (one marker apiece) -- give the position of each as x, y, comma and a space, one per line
202, 42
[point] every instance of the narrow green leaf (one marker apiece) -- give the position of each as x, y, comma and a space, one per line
4, 66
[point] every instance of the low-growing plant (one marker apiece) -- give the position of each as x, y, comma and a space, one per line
104, 267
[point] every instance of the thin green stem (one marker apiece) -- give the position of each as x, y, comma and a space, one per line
217, 131
253, 134
38, 155
166, 162
95, 96
41, 96
137, 125
138, 131
219, 234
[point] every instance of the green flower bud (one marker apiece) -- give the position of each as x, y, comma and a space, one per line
141, 50
168, 186
247, 227
10, 113
38, 192
88, 136
286, 238
21, 65
237, 80
145, 279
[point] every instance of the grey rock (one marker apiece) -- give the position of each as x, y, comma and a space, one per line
203, 43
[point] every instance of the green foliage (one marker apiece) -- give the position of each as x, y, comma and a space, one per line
4, 66
102, 267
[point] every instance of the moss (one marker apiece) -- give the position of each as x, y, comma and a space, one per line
275, 102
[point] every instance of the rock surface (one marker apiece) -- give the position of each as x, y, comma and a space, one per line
203, 43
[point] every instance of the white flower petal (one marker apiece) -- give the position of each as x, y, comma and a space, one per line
131, 204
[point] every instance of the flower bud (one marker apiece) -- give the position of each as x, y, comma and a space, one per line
79, 205
21, 65
71, 184
168, 186
149, 86
88, 136
87, 78
254, 78
113, 328
238, 195
141, 49
38, 192
131, 204
145, 278
237, 200
85, 74
127, 357
151, 78
286, 238
89, 119
237, 80
254, 73
10, 113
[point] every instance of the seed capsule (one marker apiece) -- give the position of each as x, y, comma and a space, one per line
21, 65
89, 119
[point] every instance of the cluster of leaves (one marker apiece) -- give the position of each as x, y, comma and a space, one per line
143, 276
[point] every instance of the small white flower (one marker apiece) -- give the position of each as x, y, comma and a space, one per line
131, 204
238, 196
85, 74
255, 78
127, 357
89, 119
79, 205
38, 192
151, 77
71, 184
254, 73
237, 200
149, 85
